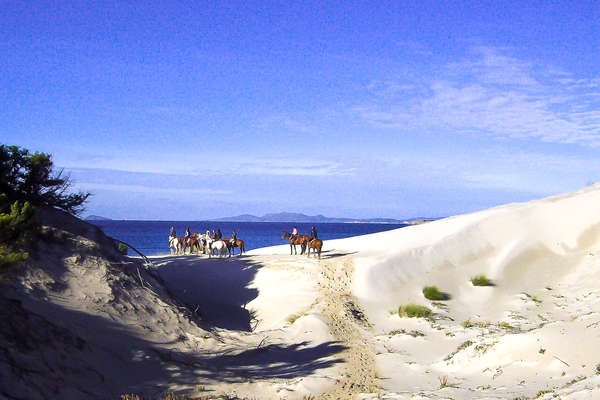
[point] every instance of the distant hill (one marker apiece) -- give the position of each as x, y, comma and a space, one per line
299, 217
96, 218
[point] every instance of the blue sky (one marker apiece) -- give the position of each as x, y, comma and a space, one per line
194, 110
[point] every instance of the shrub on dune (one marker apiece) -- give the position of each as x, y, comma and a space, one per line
481, 280
433, 293
414, 311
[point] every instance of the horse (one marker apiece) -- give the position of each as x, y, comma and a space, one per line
231, 246
316, 245
299, 240
220, 246
193, 243
175, 244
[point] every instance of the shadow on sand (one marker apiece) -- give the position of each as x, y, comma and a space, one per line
333, 254
103, 357
215, 288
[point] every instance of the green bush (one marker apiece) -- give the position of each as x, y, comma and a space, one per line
481, 280
122, 248
414, 311
433, 293
17, 224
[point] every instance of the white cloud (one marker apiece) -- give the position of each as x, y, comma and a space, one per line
295, 168
497, 95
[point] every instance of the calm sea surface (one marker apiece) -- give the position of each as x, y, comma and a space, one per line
151, 237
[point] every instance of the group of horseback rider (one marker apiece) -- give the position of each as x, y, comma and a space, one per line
214, 235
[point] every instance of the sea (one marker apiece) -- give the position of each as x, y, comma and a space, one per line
151, 237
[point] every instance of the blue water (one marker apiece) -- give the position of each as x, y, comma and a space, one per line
151, 237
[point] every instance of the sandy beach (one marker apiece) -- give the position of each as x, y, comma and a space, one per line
272, 325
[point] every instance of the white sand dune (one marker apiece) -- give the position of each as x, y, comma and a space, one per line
536, 330
280, 326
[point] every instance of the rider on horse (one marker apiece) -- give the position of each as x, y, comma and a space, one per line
313, 233
294, 233
219, 235
172, 232
233, 238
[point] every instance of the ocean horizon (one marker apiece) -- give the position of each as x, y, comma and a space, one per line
151, 237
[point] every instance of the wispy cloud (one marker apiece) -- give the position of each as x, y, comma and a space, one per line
293, 168
149, 189
496, 94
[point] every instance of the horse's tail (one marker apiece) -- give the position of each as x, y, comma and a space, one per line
242, 248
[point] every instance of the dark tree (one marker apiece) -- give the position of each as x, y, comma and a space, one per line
29, 177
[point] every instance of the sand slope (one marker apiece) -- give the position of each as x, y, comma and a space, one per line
534, 331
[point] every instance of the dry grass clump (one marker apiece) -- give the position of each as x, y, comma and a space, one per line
481, 280
414, 311
443, 381
293, 317
458, 349
532, 298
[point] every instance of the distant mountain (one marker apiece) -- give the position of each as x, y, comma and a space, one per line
240, 218
96, 218
298, 217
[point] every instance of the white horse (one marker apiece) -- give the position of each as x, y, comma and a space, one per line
174, 245
218, 245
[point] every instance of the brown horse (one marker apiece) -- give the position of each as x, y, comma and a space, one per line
316, 245
299, 240
193, 243
231, 246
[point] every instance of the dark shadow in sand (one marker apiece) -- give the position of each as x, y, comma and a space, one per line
334, 254
94, 347
216, 288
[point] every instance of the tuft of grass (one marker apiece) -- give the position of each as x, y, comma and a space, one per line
532, 298
509, 327
443, 381
433, 293
481, 280
122, 248
468, 323
292, 318
597, 369
412, 333
543, 392
458, 349
414, 311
